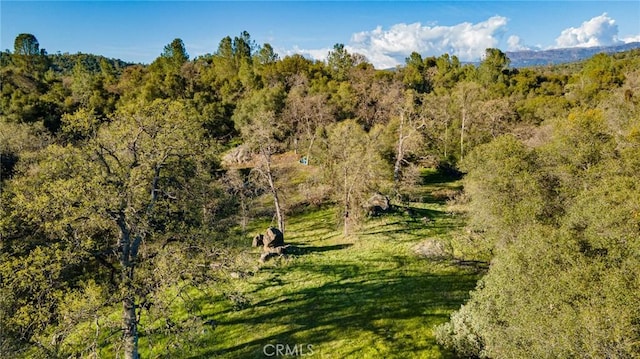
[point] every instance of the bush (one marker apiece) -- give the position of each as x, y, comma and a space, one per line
563, 220
460, 335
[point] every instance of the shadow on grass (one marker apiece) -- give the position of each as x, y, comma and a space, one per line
361, 301
441, 175
319, 232
438, 185
479, 266
401, 227
304, 249
375, 305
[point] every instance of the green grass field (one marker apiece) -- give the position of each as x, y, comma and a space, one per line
365, 296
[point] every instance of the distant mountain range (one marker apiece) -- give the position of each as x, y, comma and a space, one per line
559, 56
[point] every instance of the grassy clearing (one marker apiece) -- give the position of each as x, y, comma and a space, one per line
364, 296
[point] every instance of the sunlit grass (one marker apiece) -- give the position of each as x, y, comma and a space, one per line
364, 296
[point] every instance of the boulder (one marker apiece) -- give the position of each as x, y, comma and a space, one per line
238, 155
273, 238
276, 251
434, 249
265, 256
258, 241
377, 205
272, 243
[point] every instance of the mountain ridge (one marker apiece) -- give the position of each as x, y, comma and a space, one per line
526, 58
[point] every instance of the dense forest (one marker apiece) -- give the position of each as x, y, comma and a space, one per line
123, 184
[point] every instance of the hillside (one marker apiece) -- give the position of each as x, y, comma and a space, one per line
64, 63
561, 56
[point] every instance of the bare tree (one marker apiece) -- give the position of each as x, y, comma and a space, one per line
305, 113
410, 123
377, 97
438, 113
262, 135
241, 189
352, 169
467, 95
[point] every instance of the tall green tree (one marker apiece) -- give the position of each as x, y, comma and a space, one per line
266, 55
340, 62
233, 62
493, 70
415, 74
28, 55
264, 63
353, 171
176, 53
165, 78
26, 44
127, 188
448, 71
243, 48
505, 189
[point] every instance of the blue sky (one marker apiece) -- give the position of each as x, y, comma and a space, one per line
384, 31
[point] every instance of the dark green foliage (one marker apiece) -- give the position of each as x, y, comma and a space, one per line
504, 188
64, 63
493, 71
27, 45
340, 61
448, 72
416, 76
562, 219
28, 55
175, 53
600, 74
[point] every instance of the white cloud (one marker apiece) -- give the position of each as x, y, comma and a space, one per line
379, 60
315, 54
599, 31
515, 44
631, 39
386, 48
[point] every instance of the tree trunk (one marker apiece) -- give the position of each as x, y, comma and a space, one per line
464, 119
446, 139
313, 138
274, 192
130, 336
399, 154
245, 214
346, 205
128, 251
446, 132
276, 202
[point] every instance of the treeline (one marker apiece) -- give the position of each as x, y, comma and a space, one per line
561, 217
112, 177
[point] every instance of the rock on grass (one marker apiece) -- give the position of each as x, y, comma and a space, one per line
434, 249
